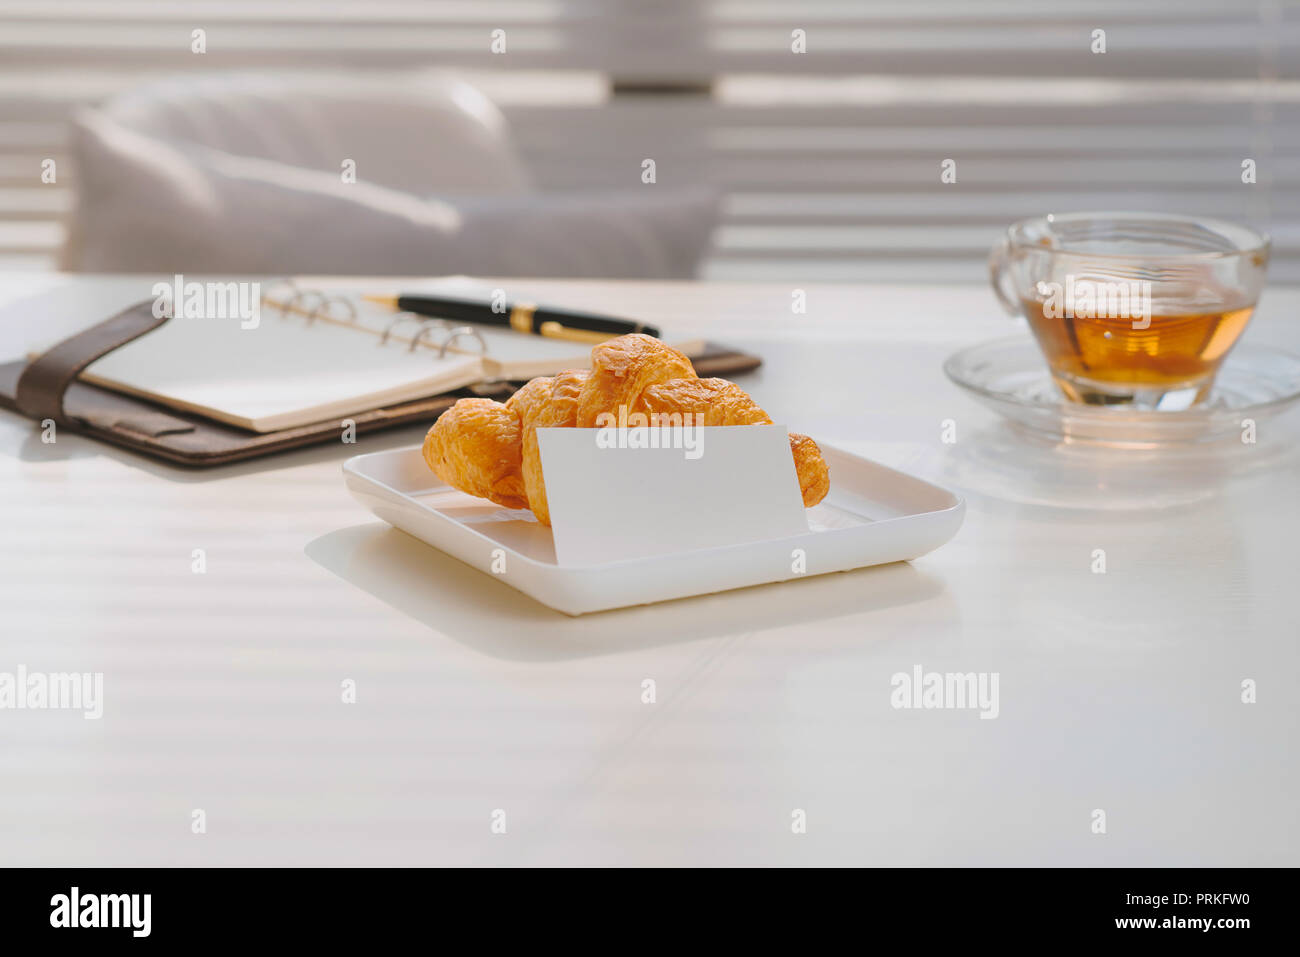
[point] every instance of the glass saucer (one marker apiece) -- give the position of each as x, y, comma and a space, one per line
1010, 377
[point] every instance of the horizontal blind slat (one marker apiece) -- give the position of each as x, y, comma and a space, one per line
822, 156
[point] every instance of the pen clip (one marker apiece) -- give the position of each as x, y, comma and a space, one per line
555, 330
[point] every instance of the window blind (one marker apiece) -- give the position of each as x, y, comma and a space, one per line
824, 124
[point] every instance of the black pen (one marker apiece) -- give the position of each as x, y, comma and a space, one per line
520, 316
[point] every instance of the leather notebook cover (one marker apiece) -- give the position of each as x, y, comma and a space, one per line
47, 388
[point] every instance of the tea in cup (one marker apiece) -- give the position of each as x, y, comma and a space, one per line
1136, 309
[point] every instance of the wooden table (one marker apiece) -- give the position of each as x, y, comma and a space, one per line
222, 691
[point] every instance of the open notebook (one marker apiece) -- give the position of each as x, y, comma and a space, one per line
315, 356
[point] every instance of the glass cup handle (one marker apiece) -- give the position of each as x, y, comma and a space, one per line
998, 258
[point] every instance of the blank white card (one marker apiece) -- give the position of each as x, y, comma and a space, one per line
614, 496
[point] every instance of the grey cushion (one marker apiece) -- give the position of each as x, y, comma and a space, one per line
429, 131
161, 204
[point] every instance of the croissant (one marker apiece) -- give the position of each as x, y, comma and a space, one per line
489, 449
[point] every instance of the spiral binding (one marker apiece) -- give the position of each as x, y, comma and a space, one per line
316, 304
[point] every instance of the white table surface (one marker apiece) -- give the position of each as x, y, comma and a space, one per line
1118, 691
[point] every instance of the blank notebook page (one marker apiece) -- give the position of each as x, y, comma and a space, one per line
281, 374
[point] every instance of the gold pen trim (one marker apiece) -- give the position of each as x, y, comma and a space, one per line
521, 317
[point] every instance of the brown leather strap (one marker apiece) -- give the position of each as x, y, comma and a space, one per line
40, 388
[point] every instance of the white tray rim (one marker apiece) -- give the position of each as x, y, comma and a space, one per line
599, 587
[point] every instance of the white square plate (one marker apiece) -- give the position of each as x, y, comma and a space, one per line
872, 515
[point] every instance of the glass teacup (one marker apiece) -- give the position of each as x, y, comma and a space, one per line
1134, 309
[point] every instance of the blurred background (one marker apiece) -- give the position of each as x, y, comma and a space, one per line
801, 141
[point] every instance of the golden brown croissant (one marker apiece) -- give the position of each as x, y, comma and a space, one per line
489, 449
477, 451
